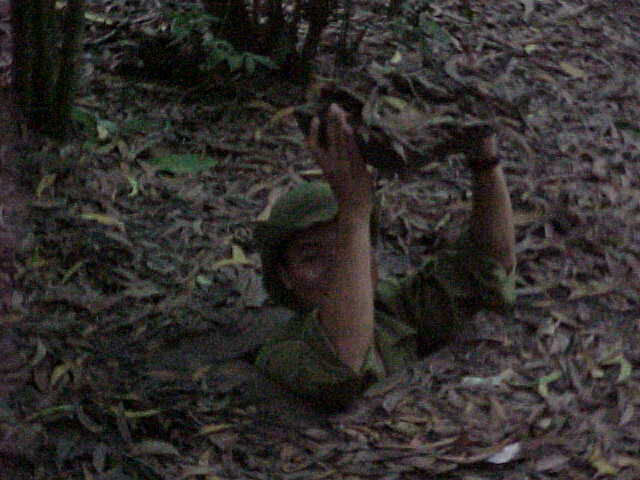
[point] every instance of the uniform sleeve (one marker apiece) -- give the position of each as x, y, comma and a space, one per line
448, 290
303, 360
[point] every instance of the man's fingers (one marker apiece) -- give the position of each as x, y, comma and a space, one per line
343, 118
348, 143
312, 139
334, 133
342, 130
489, 146
340, 158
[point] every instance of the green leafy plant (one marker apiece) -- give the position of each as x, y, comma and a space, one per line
222, 52
183, 163
415, 28
189, 23
195, 25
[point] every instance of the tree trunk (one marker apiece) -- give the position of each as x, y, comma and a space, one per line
235, 24
12, 200
66, 83
45, 53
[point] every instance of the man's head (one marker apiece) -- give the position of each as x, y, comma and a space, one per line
297, 244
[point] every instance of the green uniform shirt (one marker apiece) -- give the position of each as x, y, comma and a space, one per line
413, 314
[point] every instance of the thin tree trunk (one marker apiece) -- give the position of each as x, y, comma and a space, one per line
43, 37
12, 200
23, 51
344, 46
66, 83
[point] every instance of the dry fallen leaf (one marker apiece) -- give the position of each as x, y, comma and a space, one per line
237, 258
573, 71
508, 454
529, 6
551, 462
543, 383
154, 447
104, 220
601, 464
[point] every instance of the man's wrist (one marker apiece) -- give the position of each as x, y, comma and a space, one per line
481, 165
353, 218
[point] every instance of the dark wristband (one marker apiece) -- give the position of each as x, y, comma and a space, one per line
484, 164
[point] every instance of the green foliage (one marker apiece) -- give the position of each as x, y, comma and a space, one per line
84, 118
183, 163
631, 127
415, 28
197, 25
189, 23
222, 52
94, 127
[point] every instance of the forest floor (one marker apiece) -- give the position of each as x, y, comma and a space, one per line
138, 282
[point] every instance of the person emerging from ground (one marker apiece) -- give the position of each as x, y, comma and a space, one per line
318, 253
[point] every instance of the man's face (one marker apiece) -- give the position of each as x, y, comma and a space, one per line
310, 263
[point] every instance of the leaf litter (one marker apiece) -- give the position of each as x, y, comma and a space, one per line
141, 281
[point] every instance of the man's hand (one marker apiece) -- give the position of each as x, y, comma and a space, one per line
342, 164
481, 150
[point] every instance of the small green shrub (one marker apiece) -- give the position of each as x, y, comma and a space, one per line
415, 28
197, 26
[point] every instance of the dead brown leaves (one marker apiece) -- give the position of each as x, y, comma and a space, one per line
129, 264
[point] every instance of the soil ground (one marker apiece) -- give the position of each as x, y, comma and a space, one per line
139, 283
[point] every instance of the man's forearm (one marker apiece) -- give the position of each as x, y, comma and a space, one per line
492, 218
347, 314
